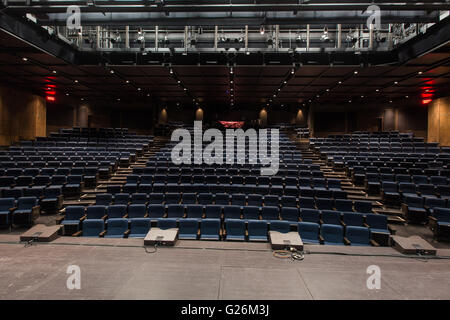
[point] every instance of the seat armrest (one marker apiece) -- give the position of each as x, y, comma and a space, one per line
104, 217
366, 225
126, 233
83, 218
321, 239
59, 219
12, 209
432, 218
343, 224
77, 234
374, 243
347, 242
392, 230
102, 234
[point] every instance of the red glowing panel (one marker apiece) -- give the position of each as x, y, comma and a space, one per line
232, 124
50, 98
427, 95
426, 101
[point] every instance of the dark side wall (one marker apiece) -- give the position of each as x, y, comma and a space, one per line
403, 116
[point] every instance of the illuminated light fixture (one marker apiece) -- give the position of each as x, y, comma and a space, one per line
139, 89
355, 72
127, 81
328, 90
279, 89
50, 98
378, 90
292, 71
390, 101
362, 96
406, 97
325, 37
231, 81
340, 82
111, 71
25, 59
317, 96
426, 101
170, 71
179, 81
54, 71
184, 89
231, 70
420, 72
67, 94
116, 37
262, 30
148, 94
396, 82
350, 101
118, 99
82, 99
231, 89
76, 81
247, 53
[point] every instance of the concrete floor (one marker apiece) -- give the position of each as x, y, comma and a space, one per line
121, 269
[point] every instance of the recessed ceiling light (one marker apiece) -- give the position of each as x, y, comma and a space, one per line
420, 72
285, 82
396, 82
118, 99
317, 96
184, 89
279, 89
76, 81
328, 90
406, 97
247, 53
170, 71
148, 94
390, 101
349, 101
231, 81
67, 94
82, 99
340, 82
377, 90
362, 96
111, 71
54, 71
139, 89
25, 59
355, 72
292, 71
128, 81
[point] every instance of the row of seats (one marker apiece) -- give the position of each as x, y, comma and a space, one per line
20, 212
234, 199
159, 211
233, 230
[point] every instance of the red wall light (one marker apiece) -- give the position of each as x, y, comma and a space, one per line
50, 98
426, 101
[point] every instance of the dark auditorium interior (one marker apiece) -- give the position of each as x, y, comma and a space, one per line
351, 100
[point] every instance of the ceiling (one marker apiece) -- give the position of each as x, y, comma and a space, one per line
252, 84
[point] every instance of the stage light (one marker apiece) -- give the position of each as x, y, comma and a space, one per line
325, 37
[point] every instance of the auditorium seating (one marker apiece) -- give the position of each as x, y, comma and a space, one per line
66, 162
402, 169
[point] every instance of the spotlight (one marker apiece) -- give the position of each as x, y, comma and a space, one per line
325, 37
116, 37
420, 72
292, 71
231, 70
262, 30
170, 71
24, 59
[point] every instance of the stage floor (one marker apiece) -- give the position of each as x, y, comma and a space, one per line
122, 269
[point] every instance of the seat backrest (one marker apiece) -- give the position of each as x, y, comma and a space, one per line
358, 235
353, 218
232, 212
222, 198
254, 200
188, 226
257, 228
205, 198
331, 217
280, 226
156, 210
270, 213
332, 233
167, 223
377, 221
122, 198
116, 226
116, 211
251, 212
235, 227
413, 201
442, 214
95, 212
139, 226
213, 211
6, 204
74, 212
210, 227
308, 230
194, 211
93, 227
289, 214
175, 211
189, 198
26, 203
309, 215
103, 199
139, 198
